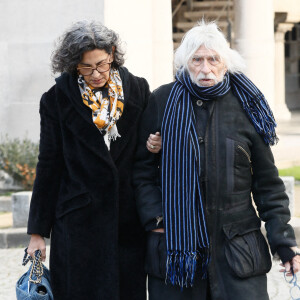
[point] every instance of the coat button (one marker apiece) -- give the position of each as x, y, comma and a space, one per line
199, 102
200, 139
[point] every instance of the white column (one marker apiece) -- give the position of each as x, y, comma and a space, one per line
162, 60
254, 40
146, 29
281, 110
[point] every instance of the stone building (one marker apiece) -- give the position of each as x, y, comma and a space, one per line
267, 34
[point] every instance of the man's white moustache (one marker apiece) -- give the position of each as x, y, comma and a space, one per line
208, 76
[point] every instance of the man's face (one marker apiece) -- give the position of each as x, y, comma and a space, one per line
206, 67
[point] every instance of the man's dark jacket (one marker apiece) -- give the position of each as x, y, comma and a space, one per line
83, 196
236, 163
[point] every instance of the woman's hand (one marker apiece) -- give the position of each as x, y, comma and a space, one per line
154, 143
161, 230
37, 243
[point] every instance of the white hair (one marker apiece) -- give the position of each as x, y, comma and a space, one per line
212, 38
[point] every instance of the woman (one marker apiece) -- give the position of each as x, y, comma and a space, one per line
83, 193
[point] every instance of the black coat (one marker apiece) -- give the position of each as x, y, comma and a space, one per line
236, 164
83, 196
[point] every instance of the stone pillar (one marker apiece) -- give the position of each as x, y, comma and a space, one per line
289, 182
20, 208
254, 40
145, 28
281, 110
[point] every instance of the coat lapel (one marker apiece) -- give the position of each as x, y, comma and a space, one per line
126, 128
78, 118
127, 124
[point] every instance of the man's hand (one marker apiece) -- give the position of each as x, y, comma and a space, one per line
154, 143
294, 264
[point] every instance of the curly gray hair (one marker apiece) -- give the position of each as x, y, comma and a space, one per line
81, 37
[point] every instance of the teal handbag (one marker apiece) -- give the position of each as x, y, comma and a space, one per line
35, 283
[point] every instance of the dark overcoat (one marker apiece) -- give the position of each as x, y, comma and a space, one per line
237, 164
83, 196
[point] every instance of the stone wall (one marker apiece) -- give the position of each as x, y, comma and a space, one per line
28, 31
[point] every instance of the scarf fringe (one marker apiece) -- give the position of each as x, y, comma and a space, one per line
263, 119
113, 133
181, 267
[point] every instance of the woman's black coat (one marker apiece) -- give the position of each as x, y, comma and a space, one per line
236, 164
83, 196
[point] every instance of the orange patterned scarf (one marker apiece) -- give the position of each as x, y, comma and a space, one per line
107, 104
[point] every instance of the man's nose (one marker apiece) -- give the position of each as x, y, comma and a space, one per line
205, 67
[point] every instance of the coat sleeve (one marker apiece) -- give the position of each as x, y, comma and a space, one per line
146, 171
48, 170
270, 198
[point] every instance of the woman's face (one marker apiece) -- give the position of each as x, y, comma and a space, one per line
95, 67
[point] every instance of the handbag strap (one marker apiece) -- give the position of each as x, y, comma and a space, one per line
37, 265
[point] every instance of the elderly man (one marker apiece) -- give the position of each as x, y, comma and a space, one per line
195, 197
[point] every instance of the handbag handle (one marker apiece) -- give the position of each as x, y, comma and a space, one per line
37, 265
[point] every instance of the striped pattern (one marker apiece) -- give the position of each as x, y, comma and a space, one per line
256, 107
184, 218
185, 226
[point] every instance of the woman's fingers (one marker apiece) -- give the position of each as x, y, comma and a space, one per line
37, 243
154, 142
43, 250
152, 148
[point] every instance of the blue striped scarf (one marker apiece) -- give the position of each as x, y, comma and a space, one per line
184, 218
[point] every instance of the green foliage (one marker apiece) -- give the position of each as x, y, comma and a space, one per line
18, 158
294, 171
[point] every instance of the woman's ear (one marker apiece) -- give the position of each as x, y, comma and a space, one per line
113, 49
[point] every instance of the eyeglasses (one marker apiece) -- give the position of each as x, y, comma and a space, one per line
211, 60
86, 71
295, 289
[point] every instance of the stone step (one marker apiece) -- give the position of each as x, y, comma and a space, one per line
207, 14
176, 45
15, 238
177, 36
189, 25
5, 203
202, 4
6, 220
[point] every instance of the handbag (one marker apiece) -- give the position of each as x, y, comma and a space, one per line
35, 283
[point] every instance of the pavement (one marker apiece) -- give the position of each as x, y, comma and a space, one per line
13, 240
12, 269
287, 151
